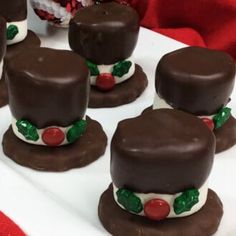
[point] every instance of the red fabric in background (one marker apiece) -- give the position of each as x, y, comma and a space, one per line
210, 23
8, 227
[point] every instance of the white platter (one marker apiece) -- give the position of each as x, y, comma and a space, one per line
65, 204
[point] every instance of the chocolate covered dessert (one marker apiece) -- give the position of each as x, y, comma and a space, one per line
3, 90
199, 81
160, 164
48, 97
106, 35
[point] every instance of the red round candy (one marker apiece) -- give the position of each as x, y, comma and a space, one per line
156, 209
53, 136
105, 81
209, 123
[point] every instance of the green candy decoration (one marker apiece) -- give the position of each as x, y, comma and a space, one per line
129, 200
186, 201
28, 130
121, 68
94, 71
222, 116
12, 31
76, 131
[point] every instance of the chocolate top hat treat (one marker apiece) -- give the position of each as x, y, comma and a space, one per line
43, 94
106, 35
3, 94
48, 97
58, 12
160, 163
15, 13
199, 81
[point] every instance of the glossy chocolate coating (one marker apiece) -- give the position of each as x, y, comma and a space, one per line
31, 40
196, 80
161, 151
2, 38
48, 86
104, 33
13, 10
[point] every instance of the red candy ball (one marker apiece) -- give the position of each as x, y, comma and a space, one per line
209, 123
156, 209
105, 82
53, 136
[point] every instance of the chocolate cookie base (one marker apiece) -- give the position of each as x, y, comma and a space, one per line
122, 93
122, 223
3, 92
87, 149
31, 40
225, 136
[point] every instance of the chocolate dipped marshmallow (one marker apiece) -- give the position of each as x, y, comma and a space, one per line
160, 164
199, 81
48, 97
3, 89
106, 35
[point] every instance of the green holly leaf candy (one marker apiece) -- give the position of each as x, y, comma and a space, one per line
76, 131
12, 31
129, 201
94, 71
28, 130
121, 68
222, 116
186, 201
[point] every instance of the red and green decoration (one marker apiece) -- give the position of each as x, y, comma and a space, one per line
12, 31
28, 130
52, 136
219, 119
157, 209
106, 81
186, 201
129, 201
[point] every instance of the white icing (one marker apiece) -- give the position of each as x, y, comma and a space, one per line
23, 30
86, 3
53, 8
40, 132
161, 103
1, 69
109, 68
169, 198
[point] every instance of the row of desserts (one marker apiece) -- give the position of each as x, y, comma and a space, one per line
37, 84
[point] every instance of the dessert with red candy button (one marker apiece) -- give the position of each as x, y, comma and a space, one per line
199, 81
48, 97
106, 35
160, 164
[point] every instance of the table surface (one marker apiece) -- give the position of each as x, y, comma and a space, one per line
46, 204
